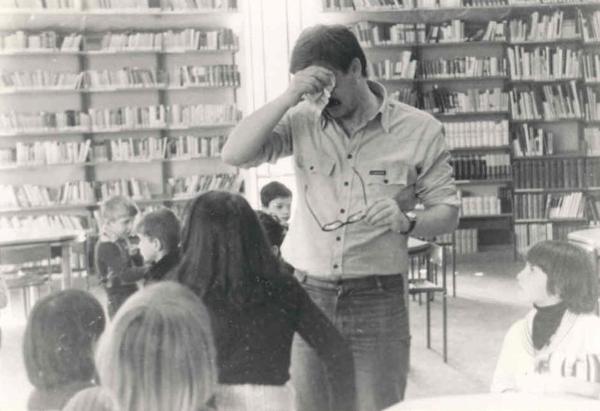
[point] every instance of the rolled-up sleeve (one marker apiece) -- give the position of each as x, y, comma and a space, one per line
278, 145
435, 184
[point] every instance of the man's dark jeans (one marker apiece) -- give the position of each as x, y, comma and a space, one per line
370, 313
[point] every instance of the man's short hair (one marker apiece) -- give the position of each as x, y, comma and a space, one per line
163, 225
273, 228
334, 45
116, 207
273, 190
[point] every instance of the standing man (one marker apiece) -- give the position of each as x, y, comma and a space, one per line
361, 163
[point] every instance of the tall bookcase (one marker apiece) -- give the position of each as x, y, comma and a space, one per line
435, 54
146, 97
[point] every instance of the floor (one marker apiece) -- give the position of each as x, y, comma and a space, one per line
487, 302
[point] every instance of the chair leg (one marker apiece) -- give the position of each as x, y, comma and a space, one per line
428, 310
445, 326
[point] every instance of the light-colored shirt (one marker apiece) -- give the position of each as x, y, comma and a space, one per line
400, 153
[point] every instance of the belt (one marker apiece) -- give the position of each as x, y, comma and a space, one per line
363, 283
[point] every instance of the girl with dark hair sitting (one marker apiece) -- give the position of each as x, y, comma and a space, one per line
255, 309
555, 349
58, 346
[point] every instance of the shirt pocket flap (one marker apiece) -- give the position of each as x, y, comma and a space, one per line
322, 164
387, 174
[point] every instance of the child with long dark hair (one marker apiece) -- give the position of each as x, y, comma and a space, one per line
61, 333
255, 309
556, 347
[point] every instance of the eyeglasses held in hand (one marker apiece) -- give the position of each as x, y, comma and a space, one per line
337, 224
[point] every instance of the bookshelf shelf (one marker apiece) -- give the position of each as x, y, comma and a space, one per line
35, 91
482, 216
48, 209
463, 44
15, 167
526, 82
394, 80
479, 149
465, 79
549, 42
38, 52
470, 114
392, 46
496, 181
53, 132
545, 121
549, 220
549, 190
551, 156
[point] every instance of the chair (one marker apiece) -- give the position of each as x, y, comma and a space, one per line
426, 261
32, 267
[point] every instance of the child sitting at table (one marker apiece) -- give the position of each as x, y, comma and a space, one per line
158, 232
113, 254
58, 345
556, 347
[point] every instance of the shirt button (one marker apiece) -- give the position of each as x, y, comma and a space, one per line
338, 238
349, 156
342, 211
346, 183
311, 167
335, 266
385, 181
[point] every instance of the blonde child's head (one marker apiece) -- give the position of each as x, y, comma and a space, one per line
158, 352
569, 272
118, 213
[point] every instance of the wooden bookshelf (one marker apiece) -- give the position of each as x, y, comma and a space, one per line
160, 177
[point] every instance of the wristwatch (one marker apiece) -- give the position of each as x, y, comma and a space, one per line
412, 222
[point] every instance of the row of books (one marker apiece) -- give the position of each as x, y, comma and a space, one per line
441, 100
464, 134
29, 195
214, 75
592, 172
457, 67
190, 185
372, 34
550, 173
549, 205
118, 4
154, 148
370, 5
45, 152
527, 235
465, 240
541, 26
548, 102
591, 104
404, 68
43, 223
590, 28
162, 4
184, 40
47, 79
45, 40
406, 95
532, 141
480, 205
591, 66
591, 137
543, 63
68, 119
481, 166
122, 118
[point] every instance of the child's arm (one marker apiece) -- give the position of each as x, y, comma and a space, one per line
116, 265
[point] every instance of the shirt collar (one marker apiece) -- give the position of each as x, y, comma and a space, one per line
383, 111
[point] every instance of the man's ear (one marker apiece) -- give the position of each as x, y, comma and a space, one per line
157, 244
355, 67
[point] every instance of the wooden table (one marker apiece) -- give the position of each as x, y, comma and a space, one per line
64, 239
499, 402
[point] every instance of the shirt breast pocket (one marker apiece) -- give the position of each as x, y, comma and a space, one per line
393, 180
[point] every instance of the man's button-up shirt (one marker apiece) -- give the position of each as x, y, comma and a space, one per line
400, 153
